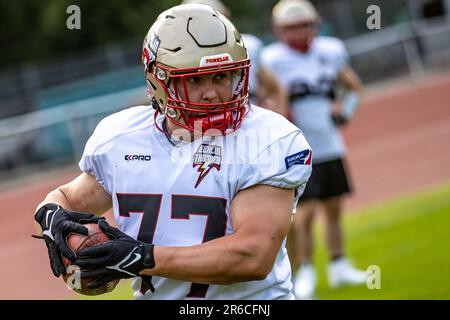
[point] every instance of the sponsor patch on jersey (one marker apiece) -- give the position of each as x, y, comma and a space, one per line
302, 158
207, 157
137, 157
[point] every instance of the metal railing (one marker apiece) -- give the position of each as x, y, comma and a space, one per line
60, 132
407, 47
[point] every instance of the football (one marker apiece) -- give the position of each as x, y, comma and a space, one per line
77, 242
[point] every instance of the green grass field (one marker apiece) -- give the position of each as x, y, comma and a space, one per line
407, 238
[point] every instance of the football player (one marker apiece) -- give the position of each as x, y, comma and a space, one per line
202, 184
311, 67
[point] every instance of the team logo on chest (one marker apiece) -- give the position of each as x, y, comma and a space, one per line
206, 158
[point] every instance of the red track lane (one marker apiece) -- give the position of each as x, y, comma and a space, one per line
399, 141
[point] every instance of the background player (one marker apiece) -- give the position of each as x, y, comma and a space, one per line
311, 67
206, 216
264, 88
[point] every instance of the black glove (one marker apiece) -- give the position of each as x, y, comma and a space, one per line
56, 224
121, 258
339, 120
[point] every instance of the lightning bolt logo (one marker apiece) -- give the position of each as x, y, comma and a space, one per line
206, 158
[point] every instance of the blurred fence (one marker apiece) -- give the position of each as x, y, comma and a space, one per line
57, 135
21, 88
404, 48
66, 106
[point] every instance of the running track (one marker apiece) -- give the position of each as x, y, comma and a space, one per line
398, 144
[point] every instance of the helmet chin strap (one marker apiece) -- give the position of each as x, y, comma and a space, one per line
220, 121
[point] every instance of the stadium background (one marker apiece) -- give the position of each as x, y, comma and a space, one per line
56, 84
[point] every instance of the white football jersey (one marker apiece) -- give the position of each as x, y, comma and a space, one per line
254, 47
310, 81
181, 195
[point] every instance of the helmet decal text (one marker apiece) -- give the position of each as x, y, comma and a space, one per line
216, 59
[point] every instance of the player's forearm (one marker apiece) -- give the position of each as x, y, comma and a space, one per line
82, 194
276, 92
350, 80
225, 260
57, 197
282, 102
353, 94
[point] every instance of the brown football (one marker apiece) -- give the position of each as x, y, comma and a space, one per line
77, 242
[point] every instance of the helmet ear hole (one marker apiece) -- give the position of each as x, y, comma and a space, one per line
156, 90
155, 104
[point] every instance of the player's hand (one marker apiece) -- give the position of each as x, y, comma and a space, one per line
339, 120
56, 223
121, 258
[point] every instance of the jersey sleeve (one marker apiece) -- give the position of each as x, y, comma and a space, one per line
265, 57
254, 47
286, 164
341, 55
91, 161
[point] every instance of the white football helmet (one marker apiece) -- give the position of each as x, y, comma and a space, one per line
295, 23
288, 12
192, 40
215, 4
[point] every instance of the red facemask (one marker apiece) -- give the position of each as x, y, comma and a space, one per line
298, 36
199, 117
